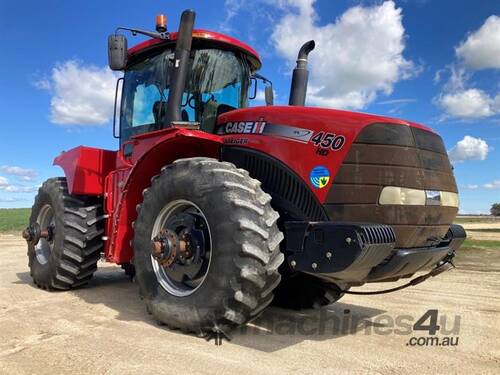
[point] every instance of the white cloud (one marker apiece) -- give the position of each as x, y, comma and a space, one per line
23, 173
469, 104
260, 97
42, 84
18, 189
81, 95
8, 200
231, 9
357, 57
492, 185
7, 187
472, 186
397, 101
481, 49
469, 148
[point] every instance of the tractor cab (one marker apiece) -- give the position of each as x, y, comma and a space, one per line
218, 74
217, 82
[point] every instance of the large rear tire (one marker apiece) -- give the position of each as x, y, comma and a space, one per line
237, 270
68, 258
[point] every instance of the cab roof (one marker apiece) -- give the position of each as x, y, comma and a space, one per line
231, 42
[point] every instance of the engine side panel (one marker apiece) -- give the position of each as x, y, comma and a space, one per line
290, 134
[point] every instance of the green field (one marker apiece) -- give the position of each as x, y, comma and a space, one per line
481, 244
14, 219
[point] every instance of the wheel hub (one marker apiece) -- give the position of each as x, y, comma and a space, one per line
180, 247
164, 247
33, 233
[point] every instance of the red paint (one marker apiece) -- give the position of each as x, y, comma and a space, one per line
122, 180
302, 157
92, 171
201, 34
86, 169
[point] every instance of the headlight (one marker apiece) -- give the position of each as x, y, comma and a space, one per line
399, 195
449, 199
415, 197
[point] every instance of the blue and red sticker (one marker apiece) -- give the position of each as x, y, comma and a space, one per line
319, 177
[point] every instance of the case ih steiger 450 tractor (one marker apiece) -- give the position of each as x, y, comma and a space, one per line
217, 207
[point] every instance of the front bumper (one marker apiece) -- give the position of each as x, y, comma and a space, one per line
358, 253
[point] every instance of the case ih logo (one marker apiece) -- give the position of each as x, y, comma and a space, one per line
244, 127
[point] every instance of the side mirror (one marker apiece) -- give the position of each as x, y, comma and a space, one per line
269, 95
117, 52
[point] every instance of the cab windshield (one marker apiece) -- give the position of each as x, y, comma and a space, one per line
217, 82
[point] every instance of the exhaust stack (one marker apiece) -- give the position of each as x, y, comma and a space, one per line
180, 67
300, 76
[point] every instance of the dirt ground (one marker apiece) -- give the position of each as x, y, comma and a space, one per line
104, 328
483, 231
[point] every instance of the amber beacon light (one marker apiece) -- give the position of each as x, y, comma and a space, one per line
161, 23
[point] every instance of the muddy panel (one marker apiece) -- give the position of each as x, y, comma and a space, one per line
383, 155
435, 161
425, 140
387, 134
409, 177
394, 155
354, 194
392, 214
414, 225
415, 235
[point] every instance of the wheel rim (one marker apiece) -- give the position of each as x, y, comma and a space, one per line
44, 247
184, 219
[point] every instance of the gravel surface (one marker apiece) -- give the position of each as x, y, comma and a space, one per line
104, 328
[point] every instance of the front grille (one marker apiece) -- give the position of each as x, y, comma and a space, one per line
394, 155
377, 234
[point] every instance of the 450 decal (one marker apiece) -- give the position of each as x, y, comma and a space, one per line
327, 141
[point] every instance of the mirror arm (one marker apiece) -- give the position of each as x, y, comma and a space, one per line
254, 95
152, 34
262, 78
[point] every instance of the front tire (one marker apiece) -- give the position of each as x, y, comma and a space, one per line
68, 258
239, 264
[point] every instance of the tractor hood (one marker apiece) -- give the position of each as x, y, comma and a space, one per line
347, 159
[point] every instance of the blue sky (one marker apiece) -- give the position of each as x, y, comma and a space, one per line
433, 62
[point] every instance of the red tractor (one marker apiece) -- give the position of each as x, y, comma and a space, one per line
216, 207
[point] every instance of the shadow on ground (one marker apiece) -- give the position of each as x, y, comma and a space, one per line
273, 330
